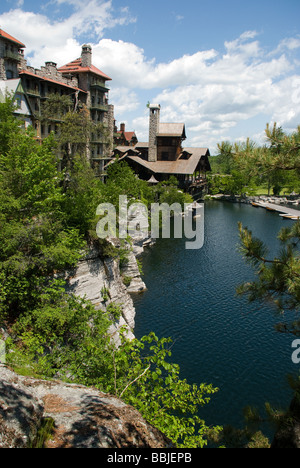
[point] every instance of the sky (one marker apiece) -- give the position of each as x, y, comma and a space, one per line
224, 68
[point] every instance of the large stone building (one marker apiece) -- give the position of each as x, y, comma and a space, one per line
164, 155
79, 79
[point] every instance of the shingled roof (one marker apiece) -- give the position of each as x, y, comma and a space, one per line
180, 166
172, 129
76, 67
7, 36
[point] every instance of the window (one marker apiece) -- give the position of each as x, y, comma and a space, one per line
165, 156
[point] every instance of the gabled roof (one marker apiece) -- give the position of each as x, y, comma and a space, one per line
76, 67
13, 87
128, 135
7, 36
180, 166
172, 129
10, 86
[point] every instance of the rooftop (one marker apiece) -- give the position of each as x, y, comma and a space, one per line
128, 135
76, 67
7, 36
180, 166
172, 129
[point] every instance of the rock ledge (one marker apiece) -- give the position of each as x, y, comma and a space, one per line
83, 417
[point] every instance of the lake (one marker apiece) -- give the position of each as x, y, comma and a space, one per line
219, 338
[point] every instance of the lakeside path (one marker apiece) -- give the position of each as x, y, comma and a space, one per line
283, 211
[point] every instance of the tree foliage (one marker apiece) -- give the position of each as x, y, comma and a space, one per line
145, 377
274, 165
35, 240
278, 279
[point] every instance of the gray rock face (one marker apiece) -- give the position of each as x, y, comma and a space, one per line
131, 270
83, 417
101, 283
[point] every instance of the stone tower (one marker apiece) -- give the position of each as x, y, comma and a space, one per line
153, 131
86, 56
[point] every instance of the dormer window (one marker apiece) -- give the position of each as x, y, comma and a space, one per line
185, 155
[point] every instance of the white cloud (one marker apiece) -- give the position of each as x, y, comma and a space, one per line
56, 39
124, 100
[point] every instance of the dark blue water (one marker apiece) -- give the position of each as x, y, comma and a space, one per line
219, 338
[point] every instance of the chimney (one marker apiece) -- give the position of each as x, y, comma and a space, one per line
122, 127
86, 56
153, 131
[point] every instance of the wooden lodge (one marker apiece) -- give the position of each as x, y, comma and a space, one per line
164, 155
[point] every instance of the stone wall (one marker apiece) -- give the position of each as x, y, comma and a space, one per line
2, 69
50, 71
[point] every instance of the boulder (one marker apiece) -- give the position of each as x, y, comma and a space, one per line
82, 417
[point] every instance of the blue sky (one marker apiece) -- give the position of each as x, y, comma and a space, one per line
224, 68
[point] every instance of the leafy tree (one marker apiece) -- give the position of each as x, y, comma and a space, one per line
8, 123
144, 377
167, 192
75, 127
121, 180
63, 336
83, 193
35, 241
55, 107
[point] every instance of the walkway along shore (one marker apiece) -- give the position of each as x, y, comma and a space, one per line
269, 203
284, 211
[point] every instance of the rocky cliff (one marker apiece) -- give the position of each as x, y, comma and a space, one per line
80, 417
101, 282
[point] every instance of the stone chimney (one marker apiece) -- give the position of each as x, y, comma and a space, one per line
153, 131
86, 56
122, 127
